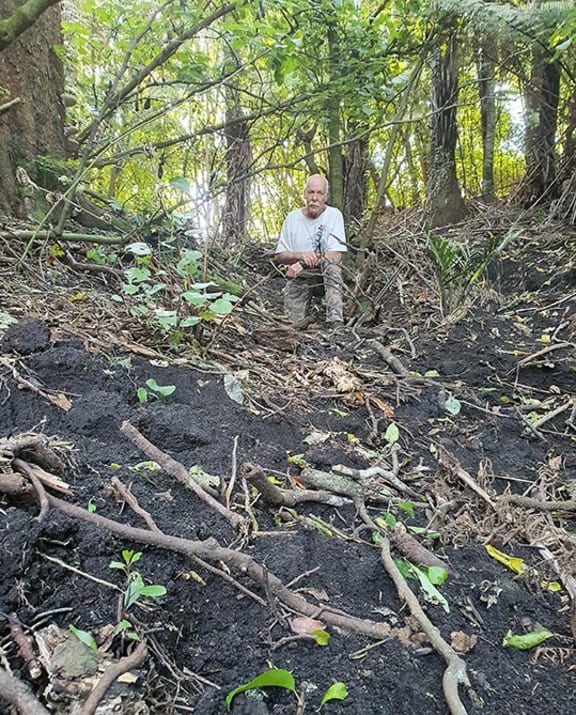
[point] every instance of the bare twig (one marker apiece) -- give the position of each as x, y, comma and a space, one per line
450, 463
132, 502
275, 496
24, 644
180, 472
211, 550
25, 469
125, 664
455, 672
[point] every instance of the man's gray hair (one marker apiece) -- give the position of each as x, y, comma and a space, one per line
318, 176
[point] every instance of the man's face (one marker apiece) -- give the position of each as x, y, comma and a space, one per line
315, 197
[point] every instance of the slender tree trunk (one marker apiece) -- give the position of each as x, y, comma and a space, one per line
32, 78
355, 181
487, 91
444, 203
335, 162
542, 96
238, 159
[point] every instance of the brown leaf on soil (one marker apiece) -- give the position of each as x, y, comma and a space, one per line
461, 642
387, 409
319, 594
302, 625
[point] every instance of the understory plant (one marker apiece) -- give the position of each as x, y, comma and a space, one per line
459, 265
134, 590
280, 678
149, 287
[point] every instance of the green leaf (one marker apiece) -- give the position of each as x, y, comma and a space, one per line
142, 394
407, 507
321, 637
221, 306
153, 591
528, 640
337, 691
392, 434
453, 405
275, 677
84, 636
163, 390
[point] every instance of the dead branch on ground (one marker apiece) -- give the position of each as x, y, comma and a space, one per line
455, 672
212, 551
117, 669
180, 472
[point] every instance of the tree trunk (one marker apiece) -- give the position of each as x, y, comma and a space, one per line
335, 162
355, 181
487, 91
542, 95
32, 77
238, 158
444, 203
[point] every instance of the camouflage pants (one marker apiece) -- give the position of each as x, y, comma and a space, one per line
300, 291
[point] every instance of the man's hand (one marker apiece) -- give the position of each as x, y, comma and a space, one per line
294, 270
311, 260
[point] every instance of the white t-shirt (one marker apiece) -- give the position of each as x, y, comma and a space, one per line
301, 234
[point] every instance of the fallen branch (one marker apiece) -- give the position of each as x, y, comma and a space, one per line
531, 503
25, 469
125, 664
391, 360
124, 493
18, 694
548, 349
455, 672
274, 496
345, 485
25, 650
211, 550
180, 472
11, 103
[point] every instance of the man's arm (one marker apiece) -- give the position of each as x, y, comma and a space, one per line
287, 258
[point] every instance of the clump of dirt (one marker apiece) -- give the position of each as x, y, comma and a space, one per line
464, 439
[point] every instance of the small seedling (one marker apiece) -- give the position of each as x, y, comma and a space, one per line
135, 590
280, 678
155, 391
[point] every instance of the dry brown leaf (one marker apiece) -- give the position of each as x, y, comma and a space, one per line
341, 377
461, 642
127, 677
303, 625
60, 400
319, 594
387, 409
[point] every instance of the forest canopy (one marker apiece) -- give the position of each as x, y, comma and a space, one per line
217, 112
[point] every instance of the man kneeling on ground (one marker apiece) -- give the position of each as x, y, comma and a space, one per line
311, 244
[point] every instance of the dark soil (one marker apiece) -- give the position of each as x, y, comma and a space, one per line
206, 636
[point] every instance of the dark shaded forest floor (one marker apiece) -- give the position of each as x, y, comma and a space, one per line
483, 403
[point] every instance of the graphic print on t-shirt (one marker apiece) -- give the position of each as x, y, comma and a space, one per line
317, 246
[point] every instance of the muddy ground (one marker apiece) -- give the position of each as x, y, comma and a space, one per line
484, 409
